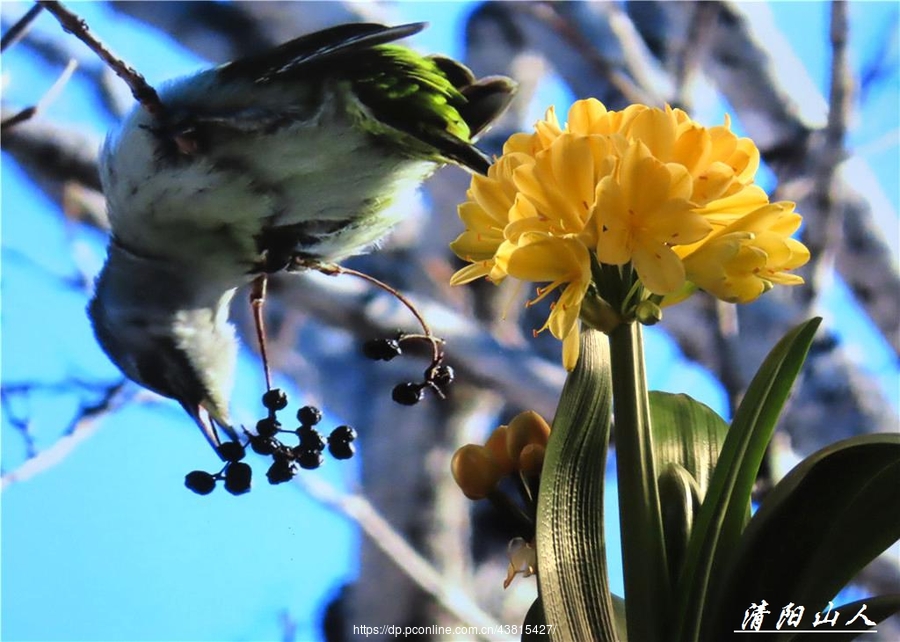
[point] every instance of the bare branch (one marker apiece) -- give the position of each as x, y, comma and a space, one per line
51, 95
114, 96
591, 46
823, 238
406, 558
20, 28
63, 164
223, 31
140, 88
85, 423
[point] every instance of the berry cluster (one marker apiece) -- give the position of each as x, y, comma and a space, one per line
286, 459
237, 474
438, 376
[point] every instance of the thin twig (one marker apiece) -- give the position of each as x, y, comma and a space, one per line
427, 334
142, 91
586, 49
692, 49
83, 426
20, 424
112, 93
18, 30
51, 95
257, 300
407, 559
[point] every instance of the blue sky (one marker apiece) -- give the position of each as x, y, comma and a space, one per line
108, 544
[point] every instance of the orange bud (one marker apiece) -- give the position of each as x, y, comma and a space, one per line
531, 460
526, 428
475, 470
496, 443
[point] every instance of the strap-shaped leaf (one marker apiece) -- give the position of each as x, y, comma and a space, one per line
722, 516
687, 438
688, 433
877, 609
572, 573
830, 516
534, 628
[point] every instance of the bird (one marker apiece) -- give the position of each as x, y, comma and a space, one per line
294, 156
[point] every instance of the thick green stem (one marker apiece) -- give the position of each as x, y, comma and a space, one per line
647, 588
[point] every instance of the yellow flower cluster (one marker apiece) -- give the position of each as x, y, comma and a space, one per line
645, 189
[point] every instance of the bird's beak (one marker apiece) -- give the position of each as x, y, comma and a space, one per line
208, 425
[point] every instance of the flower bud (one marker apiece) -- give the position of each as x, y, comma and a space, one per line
648, 313
496, 444
526, 428
531, 460
475, 470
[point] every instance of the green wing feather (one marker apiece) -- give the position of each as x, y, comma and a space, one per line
436, 102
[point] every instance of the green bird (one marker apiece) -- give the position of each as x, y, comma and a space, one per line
296, 155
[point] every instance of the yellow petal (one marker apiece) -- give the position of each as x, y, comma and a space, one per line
659, 268
564, 316
587, 117
655, 129
571, 348
471, 273
542, 258
612, 223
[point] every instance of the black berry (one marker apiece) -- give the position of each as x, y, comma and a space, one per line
310, 439
275, 399
442, 376
281, 471
382, 349
308, 459
408, 394
342, 433
263, 445
231, 451
309, 415
200, 481
341, 449
237, 478
267, 427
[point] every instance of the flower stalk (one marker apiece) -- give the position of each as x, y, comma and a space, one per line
647, 588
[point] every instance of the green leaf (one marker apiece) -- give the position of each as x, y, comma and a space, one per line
621, 624
877, 610
687, 437
723, 513
572, 573
828, 518
688, 433
535, 628
680, 500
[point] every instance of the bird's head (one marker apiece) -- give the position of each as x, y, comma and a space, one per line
184, 352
